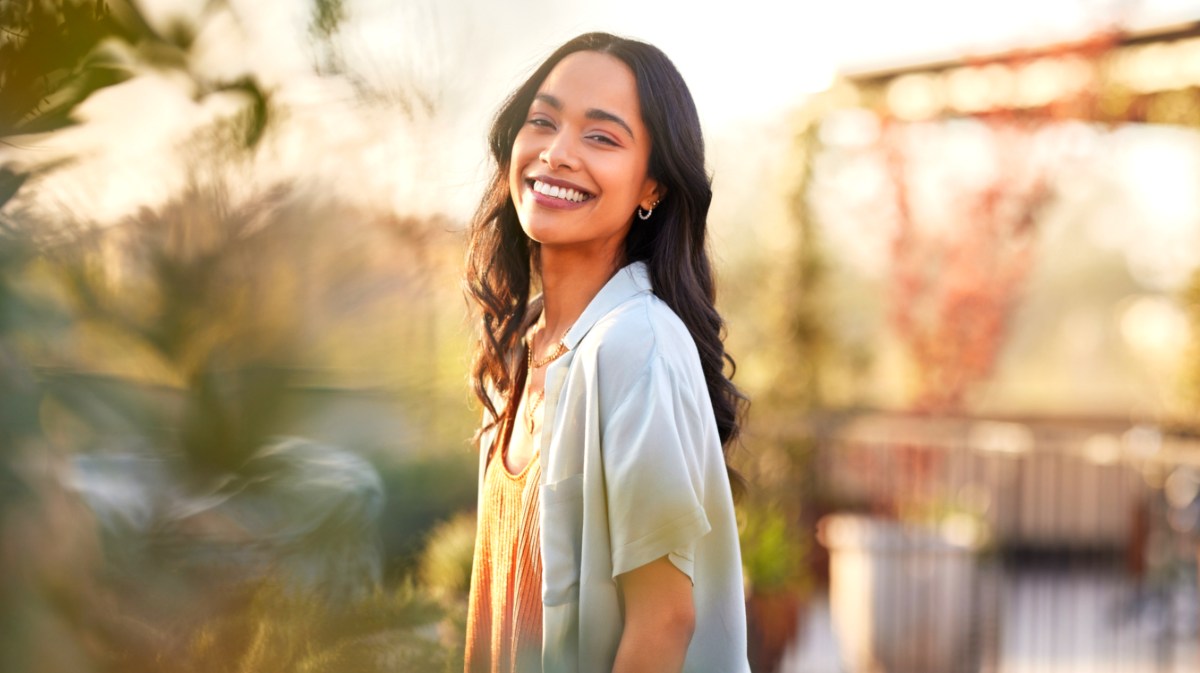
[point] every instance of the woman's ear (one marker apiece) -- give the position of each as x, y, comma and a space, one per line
652, 195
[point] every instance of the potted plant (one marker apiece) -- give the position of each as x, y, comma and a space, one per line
774, 559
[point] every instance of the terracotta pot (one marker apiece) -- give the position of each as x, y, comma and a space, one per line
773, 621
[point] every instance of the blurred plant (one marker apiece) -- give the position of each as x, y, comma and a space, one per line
785, 293
773, 556
42, 78
54, 54
278, 631
44, 66
424, 494
954, 288
778, 582
956, 275
41, 45
812, 352
198, 293
22, 317
174, 339
950, 518
191, 323
261, 628
445, 564
960, 258
444, 570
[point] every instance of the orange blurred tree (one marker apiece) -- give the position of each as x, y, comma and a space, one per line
954, 288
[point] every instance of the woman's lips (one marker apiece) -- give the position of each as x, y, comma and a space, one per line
557, 194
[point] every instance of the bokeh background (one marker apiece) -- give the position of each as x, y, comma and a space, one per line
957, 247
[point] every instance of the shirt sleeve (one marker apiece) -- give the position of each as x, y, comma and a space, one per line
652, 467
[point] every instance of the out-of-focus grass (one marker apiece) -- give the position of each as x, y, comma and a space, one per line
390, 631
445, 566
260, 628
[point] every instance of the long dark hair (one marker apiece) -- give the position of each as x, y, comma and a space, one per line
500, 257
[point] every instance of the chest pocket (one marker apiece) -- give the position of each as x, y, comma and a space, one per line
562, 539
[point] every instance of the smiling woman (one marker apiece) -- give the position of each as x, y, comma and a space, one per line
579, 169
607, 539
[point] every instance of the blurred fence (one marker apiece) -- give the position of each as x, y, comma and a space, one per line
1021, 545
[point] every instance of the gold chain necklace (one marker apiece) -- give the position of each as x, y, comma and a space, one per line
558, 351
532, 404
531, 411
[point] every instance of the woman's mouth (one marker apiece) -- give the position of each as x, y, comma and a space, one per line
556, 192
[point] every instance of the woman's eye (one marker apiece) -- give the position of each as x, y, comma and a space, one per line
603, 139
539, 121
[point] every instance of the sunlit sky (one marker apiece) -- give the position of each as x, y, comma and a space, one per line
746, 57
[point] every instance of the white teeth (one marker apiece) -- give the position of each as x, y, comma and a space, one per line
558, 192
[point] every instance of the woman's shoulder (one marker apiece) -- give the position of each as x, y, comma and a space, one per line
641, 337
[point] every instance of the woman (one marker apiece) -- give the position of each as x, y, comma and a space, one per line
607, 539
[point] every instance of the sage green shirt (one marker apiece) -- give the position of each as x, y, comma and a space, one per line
632, 470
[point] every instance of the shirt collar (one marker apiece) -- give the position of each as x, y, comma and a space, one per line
628, 282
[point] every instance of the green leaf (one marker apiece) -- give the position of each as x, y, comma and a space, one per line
10, 184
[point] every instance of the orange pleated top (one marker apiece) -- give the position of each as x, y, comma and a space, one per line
504, 615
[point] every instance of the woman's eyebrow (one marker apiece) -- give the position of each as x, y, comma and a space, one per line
592, 113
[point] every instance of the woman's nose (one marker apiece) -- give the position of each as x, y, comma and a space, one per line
560, 152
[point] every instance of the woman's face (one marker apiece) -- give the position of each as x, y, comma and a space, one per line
580, 161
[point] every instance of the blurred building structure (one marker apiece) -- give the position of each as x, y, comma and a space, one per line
1150, 76
1089, 552
1084, 523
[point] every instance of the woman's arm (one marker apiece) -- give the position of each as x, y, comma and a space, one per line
659, 619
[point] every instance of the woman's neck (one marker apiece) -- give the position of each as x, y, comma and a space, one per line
568, 286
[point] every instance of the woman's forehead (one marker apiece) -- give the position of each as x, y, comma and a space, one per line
588, 80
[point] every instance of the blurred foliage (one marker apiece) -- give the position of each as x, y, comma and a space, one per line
445, 566
445, 571
777, 303
800, 384
198, 292
953, 519
44, 69
42, 46
193, 328
327, 16
279, 632
188, 334
21, 318
54, 54
261, 628
955, 289
423, 494
774, 557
